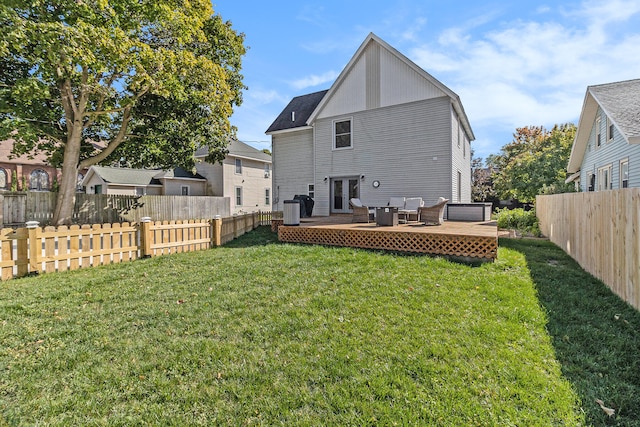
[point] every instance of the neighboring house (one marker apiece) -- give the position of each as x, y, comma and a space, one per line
25, 172
606, 150
385, 128
125, 181
244, 176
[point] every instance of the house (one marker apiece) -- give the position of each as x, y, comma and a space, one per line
244, 176
384, 128
606, 149
26, 172
126, 181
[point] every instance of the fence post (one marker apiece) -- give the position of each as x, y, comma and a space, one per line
35, 248
216, 231
145, 237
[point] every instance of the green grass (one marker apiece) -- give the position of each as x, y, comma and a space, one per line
262, 333
596, 335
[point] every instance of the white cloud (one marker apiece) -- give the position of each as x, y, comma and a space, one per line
534, 73
265, 96
314, 80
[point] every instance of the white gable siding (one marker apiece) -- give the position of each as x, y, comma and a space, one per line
350, 96
609, 153
378, 78
400, 83
292, 165
405, 147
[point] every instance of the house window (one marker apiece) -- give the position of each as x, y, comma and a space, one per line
609, 130
239, 166
267, 196
311, 191
238, 196
98, 189
342, 132
267, 170
459, 186
79, 182
591, 179
39, 180
604, 178
624, 173
3, 179
139, 191
464, 149
459, 133
598, 133
184, 190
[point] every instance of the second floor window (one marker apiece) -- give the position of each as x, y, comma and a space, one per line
239, 166
342, 132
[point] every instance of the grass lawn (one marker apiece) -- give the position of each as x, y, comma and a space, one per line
262, 333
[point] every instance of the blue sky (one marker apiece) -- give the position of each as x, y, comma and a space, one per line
513, 63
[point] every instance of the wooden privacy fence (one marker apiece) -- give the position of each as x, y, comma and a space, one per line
18, 208
34, 249
600, 231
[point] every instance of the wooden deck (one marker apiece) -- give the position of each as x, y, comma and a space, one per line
475, 240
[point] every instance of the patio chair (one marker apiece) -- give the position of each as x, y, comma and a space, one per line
361, 213
433, 215
411, 206
396, 202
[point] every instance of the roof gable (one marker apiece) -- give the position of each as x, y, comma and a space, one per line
378, 75
621, 103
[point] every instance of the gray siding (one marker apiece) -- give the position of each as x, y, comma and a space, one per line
609, 153
292, 165
461, 161
406, 147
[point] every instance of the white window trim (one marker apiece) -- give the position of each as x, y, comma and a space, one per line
267, 197
598, 140
235, 195
182, 187
623, 162
609, 130
311, 192
333, 132
608, 168
235, 166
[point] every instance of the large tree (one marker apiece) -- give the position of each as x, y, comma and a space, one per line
533, 163
91, 81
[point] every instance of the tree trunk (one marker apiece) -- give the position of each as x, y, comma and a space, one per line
67, 194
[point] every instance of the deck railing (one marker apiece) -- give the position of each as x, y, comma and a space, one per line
35, 249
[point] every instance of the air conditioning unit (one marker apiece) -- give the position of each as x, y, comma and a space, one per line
267, 174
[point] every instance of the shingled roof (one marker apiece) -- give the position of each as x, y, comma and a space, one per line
297, 112
620, 102
241, 150
127, 176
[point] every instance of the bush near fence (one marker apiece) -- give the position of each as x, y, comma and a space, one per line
35, 249
601, 231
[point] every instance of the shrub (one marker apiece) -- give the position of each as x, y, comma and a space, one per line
519, 219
